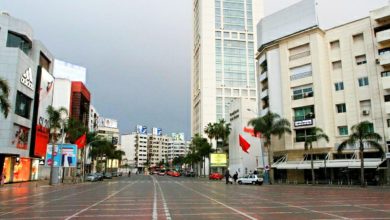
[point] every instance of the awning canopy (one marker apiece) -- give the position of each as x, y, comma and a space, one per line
369, 163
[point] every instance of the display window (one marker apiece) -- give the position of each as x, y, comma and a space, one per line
22, 170
34, 169
7, 169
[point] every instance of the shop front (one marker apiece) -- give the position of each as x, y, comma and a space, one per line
20, 169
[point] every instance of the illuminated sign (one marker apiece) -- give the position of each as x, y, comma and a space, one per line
218, 160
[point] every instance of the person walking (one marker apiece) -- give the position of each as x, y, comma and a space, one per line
227, 175
129, 174
235, 177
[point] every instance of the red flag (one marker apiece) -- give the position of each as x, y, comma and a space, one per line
81, 141
251, 131
244, 144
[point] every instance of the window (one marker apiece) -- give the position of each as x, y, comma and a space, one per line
303, 113
226, 34
302, 92
336, 65
339, 86
363, 81
23, 105
385, 73
302, 134
235, 35
387, 98
343, 130
242, 36
358, 38
218, 34
18, 41
335, 45
250, 36
44, 61
361, 59
341, 108
300, 72
299, 52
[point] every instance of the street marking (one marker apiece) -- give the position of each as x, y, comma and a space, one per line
167, 214
154, 200
97, 203
229, 207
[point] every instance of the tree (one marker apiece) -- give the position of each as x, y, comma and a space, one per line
362, 134
56, 123
271, 124
218, 131
210, 132
315, 134
4, 102
202, 148
74, 129
100, 149
178, 161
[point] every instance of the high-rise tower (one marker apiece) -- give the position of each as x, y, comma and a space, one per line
223, 57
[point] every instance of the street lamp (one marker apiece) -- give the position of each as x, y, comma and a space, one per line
262, 151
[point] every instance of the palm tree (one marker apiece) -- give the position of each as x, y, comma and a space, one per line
56, 123
4, 102
362, 134
202, 148
222, 132
210, 131
269, 125
316, 134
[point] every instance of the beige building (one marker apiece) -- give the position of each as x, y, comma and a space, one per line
331, 79
157, 149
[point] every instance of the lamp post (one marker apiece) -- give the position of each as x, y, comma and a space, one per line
265, 171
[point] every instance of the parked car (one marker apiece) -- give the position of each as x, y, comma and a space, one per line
107, 176
162, 173
115, 174
175, 174
169, 172
99, 176
250, 179
92, 177
215, 176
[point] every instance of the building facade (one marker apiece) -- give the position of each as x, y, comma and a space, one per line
23, 61
331, 79
223, 52
177, 146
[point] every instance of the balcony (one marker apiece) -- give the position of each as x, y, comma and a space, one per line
386, 82
264, 94
263, 76
383, 36
381, 14
300, 75
384, 58
387, 106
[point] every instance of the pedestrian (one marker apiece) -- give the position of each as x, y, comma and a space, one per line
255, 172
235, 177
227, 175
129, 174
2, 181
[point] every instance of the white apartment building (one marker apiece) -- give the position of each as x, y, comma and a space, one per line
177, 146
128, 145
331, 79
93, 119
108, 129
157, 149
223, 66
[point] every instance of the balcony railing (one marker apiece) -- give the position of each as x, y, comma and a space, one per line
383, 36
302, 95
300, 75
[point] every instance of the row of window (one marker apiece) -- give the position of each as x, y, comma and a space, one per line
363, 81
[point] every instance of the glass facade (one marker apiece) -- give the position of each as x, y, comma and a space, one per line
234, 49
14, 40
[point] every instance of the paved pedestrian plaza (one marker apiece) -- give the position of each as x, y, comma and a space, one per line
164, 197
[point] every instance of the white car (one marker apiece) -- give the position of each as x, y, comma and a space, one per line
250, 179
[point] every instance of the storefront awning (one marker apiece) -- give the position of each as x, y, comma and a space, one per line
369, 163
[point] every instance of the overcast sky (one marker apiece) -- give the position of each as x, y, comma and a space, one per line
138, 52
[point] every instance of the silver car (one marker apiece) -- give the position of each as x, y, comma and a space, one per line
92, 177
250, 179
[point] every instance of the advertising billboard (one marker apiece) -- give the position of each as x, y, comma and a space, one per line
57, 155
141, 129
68, 155
69, 71
22, 170
157, 131
107, 122
20, 137
218, 160
178, 136
65, 155
42, 126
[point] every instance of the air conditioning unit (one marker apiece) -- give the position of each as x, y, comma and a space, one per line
366, 112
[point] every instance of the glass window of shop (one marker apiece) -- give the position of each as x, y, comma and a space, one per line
18, 41
23, 105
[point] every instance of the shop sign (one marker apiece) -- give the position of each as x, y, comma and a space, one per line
218, 160
27, 79
307, 122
